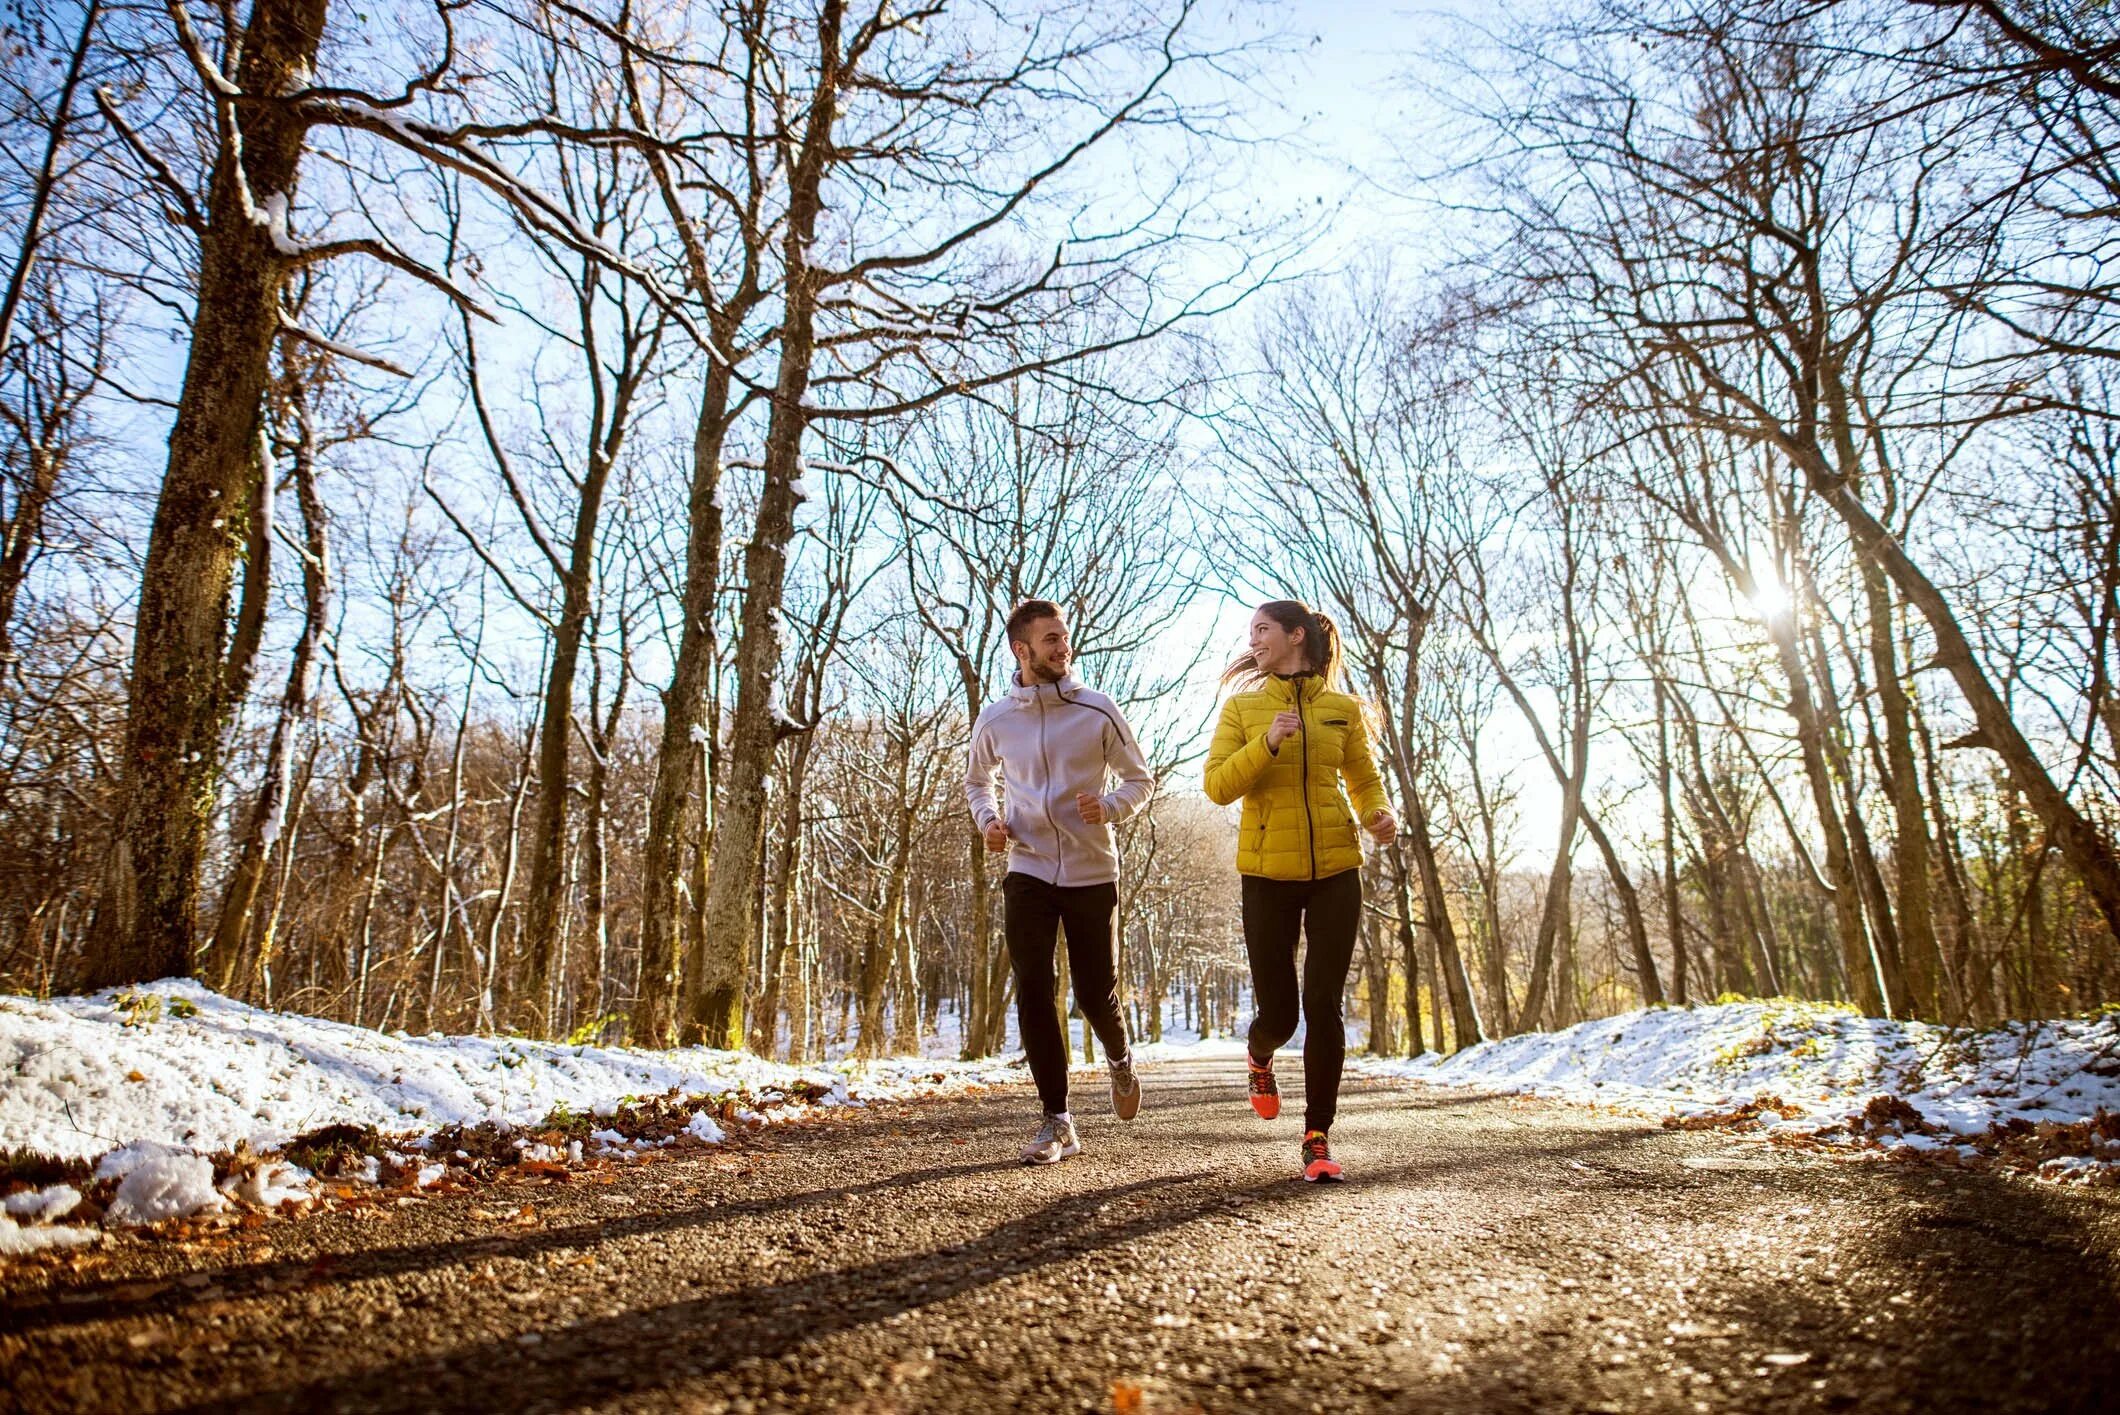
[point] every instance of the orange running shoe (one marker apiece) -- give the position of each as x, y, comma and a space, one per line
1318, 1163
1265, 1095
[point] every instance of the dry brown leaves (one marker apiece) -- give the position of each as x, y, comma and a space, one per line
1742, 1117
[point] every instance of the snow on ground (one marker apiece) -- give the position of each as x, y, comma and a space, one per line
150, 1081
2042, 1095
175, 1063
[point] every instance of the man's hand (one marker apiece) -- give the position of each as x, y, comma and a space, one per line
1384, 827
1284, 726
1092, 808
998, 835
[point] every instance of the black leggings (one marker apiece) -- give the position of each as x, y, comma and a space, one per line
1328, 912
1033, 912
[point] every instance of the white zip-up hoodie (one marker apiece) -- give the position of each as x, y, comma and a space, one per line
1049, 741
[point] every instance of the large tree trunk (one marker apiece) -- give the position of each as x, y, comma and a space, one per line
782, 893
715, 988
1376, 972
596, 865
1453, 982
179, 702
672, 805
545, 890
230, 955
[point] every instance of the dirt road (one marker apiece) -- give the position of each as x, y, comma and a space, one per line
1489, 1254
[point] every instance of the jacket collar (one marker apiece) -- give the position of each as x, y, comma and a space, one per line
1286, 688
1029, 693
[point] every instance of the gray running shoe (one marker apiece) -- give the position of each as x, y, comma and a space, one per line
1056, 1141
1126, 1088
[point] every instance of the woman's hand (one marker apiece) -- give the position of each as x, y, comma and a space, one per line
1284, 726
1383, 826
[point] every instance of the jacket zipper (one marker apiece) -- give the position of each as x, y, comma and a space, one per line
1310, 824
1045, 795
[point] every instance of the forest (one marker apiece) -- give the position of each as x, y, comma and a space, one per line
508, 507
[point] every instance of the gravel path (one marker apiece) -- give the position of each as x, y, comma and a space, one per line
1490, 1254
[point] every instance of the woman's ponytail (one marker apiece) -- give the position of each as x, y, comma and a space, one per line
1325, 651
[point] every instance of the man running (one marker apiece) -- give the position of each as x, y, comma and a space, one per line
1054, 741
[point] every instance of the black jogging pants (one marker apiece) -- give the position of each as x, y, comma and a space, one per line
1326, 913
1034, 912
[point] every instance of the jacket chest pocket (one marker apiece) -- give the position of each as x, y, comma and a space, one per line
1328, 738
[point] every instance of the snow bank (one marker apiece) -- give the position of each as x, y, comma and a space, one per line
149, 1081
1817, 1071
180, 1066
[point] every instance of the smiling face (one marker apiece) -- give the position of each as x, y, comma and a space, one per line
1275, 649
1043, 653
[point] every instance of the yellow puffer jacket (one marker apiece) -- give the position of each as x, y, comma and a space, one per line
1297, 822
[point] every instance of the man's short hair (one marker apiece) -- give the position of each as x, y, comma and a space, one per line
1026, 614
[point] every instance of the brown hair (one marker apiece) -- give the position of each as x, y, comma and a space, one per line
1026, 614
1321, 645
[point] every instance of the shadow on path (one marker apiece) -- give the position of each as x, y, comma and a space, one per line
95, 1302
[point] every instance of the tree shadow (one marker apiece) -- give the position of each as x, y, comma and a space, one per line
95, 1302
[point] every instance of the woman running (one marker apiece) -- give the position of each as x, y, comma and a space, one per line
1285, 742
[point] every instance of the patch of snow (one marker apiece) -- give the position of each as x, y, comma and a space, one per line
121, 1162
704, 1127
166, 1187
16, 1239
271, 1183
43, 1205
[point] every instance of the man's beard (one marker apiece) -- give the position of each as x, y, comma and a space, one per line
1045, 672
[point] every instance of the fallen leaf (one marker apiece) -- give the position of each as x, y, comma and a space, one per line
1126, 1398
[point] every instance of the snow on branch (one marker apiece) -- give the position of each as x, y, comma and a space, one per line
195, 51
296, 330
